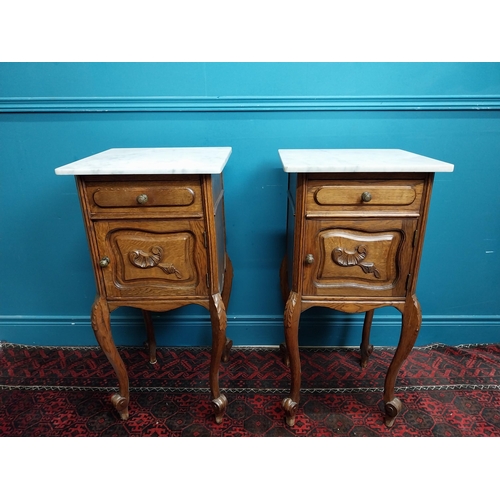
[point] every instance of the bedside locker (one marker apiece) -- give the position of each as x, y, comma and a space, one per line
356, 225
155, 226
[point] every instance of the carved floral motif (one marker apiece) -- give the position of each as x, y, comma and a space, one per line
145, 260
346, 258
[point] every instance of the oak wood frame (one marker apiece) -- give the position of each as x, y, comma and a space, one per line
212, 293
292, 281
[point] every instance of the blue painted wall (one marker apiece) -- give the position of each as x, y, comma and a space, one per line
55, 113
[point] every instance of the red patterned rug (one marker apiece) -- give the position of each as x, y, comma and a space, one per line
54, 391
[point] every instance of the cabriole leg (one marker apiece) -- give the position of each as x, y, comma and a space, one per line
100, 319
291, 321
411, 322
219, 323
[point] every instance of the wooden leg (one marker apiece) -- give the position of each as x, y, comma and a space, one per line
151, 342
291, 321
101, 325
226, 353
412, 320
284, 354
219, 323
366, 348
226, 294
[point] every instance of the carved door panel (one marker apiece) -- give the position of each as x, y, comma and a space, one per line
152, 259
358, 258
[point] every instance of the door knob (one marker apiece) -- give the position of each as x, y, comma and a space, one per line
104, 262
142, 198
309, 258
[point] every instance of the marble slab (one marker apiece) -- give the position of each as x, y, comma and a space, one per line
359, 160
128, 161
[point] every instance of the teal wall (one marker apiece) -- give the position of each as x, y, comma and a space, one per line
55, 113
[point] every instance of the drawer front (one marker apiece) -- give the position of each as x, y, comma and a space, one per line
358, 258
160, 259
139, 198
339, 196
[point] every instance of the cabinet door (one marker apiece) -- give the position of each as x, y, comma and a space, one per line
152, 259
358, 258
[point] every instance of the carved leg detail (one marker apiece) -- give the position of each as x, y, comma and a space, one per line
291, 321
290, 408
151, 342
219, 405
101, 325
219, 342
366, 348
412, 320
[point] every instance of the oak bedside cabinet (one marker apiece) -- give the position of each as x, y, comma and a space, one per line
155, 226
356, 225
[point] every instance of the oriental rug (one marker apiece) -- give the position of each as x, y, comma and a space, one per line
65, 391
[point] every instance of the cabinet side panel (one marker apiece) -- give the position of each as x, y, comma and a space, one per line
91, 237
220, 227
292, 190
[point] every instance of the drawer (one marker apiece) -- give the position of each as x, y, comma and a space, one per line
144, 197
394, 196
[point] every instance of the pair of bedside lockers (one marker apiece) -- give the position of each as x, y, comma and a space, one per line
155, 225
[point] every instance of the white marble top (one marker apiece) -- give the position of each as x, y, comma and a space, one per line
359, 160
126, 161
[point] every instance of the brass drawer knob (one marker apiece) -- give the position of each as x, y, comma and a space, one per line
142, 198
104, 262
366, 196
309, 258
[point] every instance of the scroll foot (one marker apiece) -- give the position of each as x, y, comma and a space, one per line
219, 405
365, 355
121, 405
392, 409
226, 351
290, 408
284, 355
